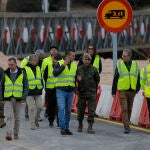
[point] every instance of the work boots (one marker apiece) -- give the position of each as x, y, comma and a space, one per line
80, 126
90, 130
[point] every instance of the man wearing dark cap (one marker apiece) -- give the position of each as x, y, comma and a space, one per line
88, 79
48, 61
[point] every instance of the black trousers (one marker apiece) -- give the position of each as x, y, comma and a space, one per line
51, 104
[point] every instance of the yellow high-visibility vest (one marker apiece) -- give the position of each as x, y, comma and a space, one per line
127, 78
51, 80
67, 76
34, 81
24, 62
13, 89
46, 61
96, 62
145, 80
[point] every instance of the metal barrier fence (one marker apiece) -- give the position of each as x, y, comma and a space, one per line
22, 33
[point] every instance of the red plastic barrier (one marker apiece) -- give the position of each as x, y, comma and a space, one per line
16, 35
144, 115
6, 35
98, 94
115, 112
34, 34
74, 103
59, 33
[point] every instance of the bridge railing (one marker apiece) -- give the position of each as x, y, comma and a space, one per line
23, 33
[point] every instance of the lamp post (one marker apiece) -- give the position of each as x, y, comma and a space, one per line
68, 5
45, 6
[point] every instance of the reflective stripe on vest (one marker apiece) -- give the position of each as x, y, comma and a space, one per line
127, 79
32, 80
67, 77
15, 89
50, 83
96, 62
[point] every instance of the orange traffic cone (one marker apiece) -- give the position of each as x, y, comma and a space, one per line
144, 115
115, 112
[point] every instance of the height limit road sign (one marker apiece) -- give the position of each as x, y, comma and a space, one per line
114, 15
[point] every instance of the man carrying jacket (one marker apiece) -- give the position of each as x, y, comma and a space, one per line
13, 90
127, 82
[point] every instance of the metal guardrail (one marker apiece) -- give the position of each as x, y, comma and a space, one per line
23, 33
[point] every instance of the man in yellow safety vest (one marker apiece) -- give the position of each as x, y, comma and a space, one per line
96, 59
127, 82
13, 90
65, 71
145, 83
34, 99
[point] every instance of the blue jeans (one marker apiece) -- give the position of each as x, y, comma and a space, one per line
64, 102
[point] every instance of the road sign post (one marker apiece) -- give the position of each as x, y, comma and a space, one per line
114, 16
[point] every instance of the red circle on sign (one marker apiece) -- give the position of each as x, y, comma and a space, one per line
108, 26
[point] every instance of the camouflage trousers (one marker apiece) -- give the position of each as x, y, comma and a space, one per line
81, 105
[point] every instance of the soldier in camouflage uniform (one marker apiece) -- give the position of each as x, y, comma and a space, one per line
88, 79
2, 122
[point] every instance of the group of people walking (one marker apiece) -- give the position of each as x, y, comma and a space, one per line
60, 77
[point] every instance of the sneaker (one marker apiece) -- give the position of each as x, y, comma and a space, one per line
45, 115
36, 123
68, 132
40, 119
26, 116
16, 136
62, 132
51, 124
8, 137
33, 127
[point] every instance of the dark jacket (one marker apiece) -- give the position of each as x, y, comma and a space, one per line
45, 77
116, 77
92, 61
35, 91
89, 82
25, 84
